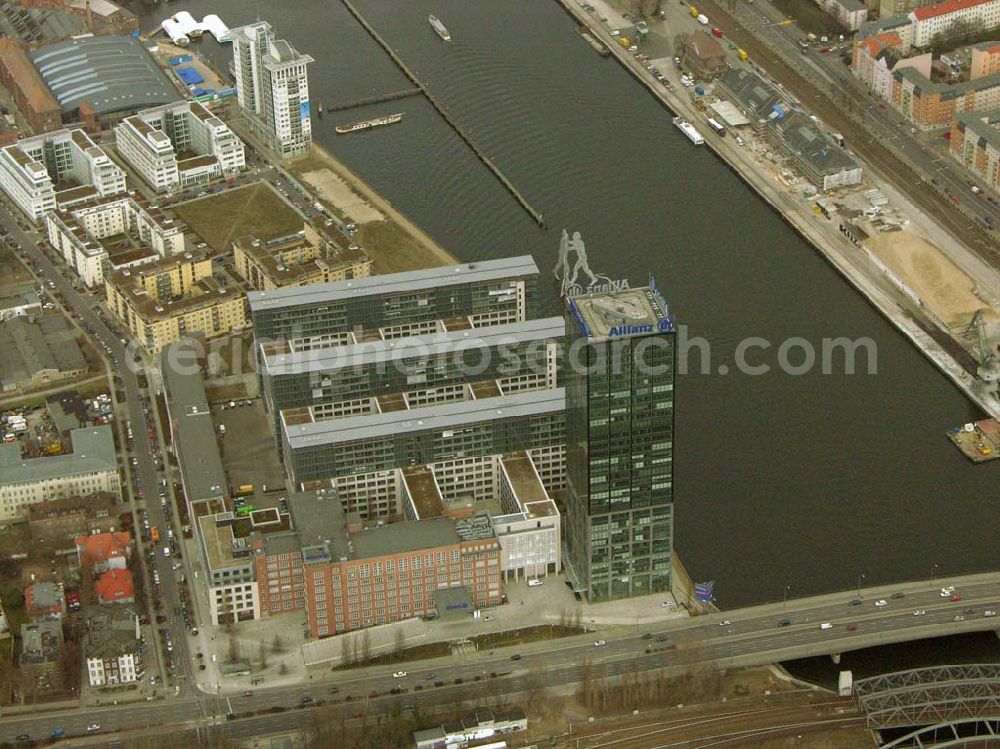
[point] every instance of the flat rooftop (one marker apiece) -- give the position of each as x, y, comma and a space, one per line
437, 417
393, 283
621, 313
194, 432
397, 349
93, 450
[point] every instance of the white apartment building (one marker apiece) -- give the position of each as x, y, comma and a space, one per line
91, 467
77, 233
57, 170
272, 87
179, 145
940, 17
112, 649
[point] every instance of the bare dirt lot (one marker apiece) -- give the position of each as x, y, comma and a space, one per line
255, 210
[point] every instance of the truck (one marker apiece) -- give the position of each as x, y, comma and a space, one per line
845, 686
693, 11
742, 54
154, 533
623, 40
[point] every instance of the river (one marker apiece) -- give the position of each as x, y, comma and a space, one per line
780, 480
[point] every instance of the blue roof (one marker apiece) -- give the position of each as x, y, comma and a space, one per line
110, 73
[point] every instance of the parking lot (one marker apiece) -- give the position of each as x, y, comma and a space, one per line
248, 452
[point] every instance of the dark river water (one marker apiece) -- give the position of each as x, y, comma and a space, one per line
805, 481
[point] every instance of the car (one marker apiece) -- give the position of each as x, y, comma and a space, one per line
93, 727
668, 605
633, 49
919, 612
515, 657
334, 690
856, 602
959, 618
399, 674
852, 627
647, 636
897, 595
23, 737
489, 618
976, 189
306, 700
725, 623
945, 592
615, 32
989, 612
662, 638
784, 622
248, 693
534, 582
600, 643
881, 603
955, 597
826, 625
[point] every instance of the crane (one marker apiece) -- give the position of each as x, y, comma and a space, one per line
989, 365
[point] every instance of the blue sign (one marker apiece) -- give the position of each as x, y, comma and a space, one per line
304, 110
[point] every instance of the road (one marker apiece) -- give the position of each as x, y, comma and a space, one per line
142, 470
887, 132
753, 636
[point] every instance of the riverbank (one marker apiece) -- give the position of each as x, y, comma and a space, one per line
395, 243
818, 231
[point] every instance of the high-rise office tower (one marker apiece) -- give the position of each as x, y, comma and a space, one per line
272, 87
619, 375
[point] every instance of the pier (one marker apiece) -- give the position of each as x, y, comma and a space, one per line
376, 99
535, 215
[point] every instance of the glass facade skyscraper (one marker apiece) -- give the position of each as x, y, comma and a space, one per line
619, 374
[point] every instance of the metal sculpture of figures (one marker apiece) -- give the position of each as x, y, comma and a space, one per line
567, 275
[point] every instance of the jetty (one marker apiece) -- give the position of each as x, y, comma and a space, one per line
375, 99
522, 201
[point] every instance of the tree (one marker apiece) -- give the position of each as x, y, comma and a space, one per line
366, 647
262, 654
234, 648
277, 645
400, 641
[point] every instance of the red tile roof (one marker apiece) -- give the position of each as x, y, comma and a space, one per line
104, 546
949, 6
115, 585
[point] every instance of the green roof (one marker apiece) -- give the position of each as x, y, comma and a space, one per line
93, 450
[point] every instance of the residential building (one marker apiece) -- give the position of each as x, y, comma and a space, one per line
900, 26
57, 170
114, 233
984, 59
931, 105
812, 153
112, 648
850, 14
30, 94
115, 586
38, 352
877, 57
619, 433
58, 521
45, 600
975, 141
92, 466
104, 551
930, 21
397, 304
19, 300
310, 256
889, 8
165, 300
179, 145
272, 88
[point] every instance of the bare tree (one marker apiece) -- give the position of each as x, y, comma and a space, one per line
366, 647
262, 653
277, 645
234, 647
400, 641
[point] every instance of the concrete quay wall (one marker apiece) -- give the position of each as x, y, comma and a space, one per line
837, 250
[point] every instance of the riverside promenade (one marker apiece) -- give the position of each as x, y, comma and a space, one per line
821, 233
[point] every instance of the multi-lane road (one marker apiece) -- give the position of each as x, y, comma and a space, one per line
752, 636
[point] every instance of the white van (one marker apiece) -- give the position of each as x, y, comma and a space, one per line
826, 625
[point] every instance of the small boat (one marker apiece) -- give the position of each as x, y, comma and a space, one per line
689, 130
440, 28
355, 127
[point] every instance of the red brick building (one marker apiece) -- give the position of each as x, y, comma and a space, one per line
31, 96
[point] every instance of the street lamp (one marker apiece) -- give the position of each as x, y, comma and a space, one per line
784, 598
934, 571
861, 577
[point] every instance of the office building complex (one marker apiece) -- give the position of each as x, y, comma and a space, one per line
91, 467
163, 301
273, 88
397, 305
104, 235
309, 257
179, 145
619, 460
57, 170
